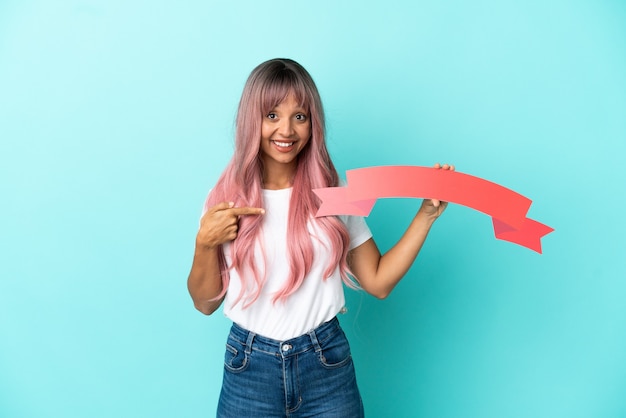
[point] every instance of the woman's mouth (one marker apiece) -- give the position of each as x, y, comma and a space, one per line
281, 146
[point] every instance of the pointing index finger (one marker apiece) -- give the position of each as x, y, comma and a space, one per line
247, 211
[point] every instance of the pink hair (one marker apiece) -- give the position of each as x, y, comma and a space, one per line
241, 182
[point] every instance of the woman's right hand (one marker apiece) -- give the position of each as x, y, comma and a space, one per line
220, 224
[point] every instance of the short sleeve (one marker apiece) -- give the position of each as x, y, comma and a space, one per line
357, 228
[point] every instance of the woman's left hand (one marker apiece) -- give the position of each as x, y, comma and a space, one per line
435, 207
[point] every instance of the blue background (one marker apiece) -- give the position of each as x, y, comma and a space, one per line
116, 117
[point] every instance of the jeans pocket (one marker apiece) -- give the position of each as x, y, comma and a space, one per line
236, 360
335, 351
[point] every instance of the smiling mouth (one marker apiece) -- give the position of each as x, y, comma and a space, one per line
283, 144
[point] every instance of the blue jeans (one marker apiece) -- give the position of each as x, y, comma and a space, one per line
310, 375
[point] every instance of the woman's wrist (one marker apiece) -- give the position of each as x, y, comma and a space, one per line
423, 216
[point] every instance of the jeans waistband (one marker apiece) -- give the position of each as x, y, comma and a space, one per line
289, 347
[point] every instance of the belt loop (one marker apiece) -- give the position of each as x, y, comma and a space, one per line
251, 336
316, 343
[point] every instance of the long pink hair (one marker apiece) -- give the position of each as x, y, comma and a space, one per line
241, 182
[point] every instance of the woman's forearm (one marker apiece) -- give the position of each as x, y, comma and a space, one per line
378, 275
396, 262
205, 282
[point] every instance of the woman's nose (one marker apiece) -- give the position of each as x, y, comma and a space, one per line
286, 127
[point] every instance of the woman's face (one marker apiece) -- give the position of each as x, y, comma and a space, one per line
285, 131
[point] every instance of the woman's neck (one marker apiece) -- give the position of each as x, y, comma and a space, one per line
278, 177
277, 183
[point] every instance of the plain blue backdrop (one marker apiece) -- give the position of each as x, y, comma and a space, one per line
116, 117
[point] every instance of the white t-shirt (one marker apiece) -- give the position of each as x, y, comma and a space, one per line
315, 302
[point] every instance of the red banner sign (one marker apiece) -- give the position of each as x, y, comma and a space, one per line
507, 208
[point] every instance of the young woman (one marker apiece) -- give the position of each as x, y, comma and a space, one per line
278, 269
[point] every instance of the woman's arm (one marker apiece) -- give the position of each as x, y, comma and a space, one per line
377, 274
217, 226
205, 282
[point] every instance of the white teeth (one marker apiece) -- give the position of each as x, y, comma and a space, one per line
283, 144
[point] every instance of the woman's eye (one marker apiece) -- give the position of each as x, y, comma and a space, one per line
271, 115
301, 117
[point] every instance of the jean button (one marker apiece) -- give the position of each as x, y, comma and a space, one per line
286, 347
